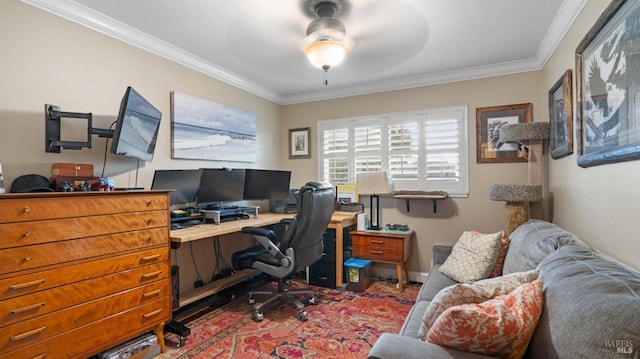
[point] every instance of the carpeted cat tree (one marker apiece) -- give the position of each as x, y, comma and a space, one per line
518, 197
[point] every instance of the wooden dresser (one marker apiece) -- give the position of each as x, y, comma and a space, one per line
386, 247
82, 272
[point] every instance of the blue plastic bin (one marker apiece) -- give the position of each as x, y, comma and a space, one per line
357, 274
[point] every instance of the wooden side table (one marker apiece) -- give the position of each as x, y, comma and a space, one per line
386, 247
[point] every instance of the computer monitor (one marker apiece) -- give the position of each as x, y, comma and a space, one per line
219, 185
266, 184
184, 184
137, 127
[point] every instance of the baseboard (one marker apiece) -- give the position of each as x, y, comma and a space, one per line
386, 272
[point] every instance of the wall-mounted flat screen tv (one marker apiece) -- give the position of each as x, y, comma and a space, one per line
137, 127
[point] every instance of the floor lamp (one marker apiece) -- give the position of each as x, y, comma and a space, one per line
373, 184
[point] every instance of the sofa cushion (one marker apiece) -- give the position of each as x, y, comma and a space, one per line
501, 326
434, 284
592, 307
473, 257
472, 293
530, 243
412, 322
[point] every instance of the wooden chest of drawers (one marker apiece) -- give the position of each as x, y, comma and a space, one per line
82, 272
386, 247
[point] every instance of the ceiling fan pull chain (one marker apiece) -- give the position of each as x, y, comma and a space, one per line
326, 71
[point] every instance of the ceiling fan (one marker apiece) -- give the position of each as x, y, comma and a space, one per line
326, 36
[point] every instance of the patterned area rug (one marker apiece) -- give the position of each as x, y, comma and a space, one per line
340, 325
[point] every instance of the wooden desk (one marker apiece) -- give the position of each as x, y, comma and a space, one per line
386, 247
339, 221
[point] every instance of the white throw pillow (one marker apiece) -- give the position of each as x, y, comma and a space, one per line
473, 293
472, 257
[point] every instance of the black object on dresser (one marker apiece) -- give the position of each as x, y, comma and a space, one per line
323, 272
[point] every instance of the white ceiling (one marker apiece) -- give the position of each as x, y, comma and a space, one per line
257, 45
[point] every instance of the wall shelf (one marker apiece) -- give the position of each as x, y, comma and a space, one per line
434, 196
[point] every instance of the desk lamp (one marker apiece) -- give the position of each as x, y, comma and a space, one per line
373, 184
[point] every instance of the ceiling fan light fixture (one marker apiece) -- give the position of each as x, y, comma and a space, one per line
325, 54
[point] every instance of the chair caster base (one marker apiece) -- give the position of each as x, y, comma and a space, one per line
257, 316
303, 316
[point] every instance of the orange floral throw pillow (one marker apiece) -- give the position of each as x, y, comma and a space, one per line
500, 327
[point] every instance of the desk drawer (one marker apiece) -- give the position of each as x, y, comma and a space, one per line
30, 331
47, 279
84, 341
34, 209
36, 304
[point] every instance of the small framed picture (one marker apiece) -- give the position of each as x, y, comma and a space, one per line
561, 117
489, 149
299, 143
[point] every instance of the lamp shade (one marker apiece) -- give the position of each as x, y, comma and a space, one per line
373, 183
325, 53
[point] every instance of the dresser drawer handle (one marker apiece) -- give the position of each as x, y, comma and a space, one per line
149, 203
27, 234
27, 308
26, 285
27, 258
151, 294
41, 356
154, 313
149, 221
377, 241
150, 258
31, 333
151, 275
27, 209
377, 252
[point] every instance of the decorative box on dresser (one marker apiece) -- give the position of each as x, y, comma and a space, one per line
82, 272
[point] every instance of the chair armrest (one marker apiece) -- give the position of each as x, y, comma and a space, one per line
286, 221
441, 252
260, 231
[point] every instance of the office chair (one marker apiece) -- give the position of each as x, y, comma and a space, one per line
301, 246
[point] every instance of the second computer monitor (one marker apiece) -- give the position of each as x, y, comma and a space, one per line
266, 184
220, 185
184, 184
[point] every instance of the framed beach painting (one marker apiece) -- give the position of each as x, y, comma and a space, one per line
207, 130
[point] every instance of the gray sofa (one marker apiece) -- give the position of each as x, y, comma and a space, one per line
591, 303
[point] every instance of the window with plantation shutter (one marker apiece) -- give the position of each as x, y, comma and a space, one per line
424, 150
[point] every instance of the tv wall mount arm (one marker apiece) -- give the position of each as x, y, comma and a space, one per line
52, 117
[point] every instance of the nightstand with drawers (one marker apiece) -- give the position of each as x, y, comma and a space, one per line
386, 247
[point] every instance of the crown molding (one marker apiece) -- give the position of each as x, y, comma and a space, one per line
84, 16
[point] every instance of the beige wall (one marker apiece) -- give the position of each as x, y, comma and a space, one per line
455, 215
46, 59
599, 204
